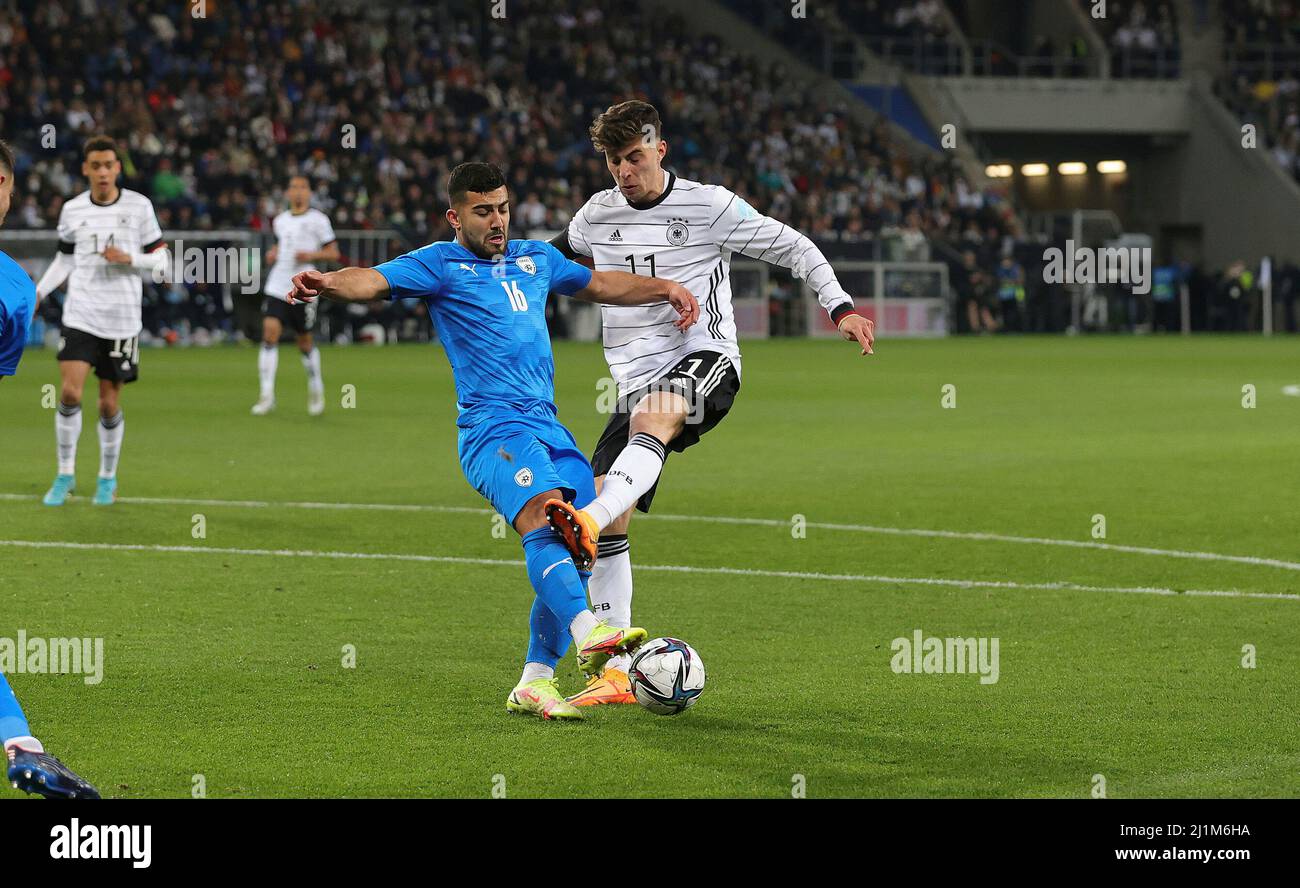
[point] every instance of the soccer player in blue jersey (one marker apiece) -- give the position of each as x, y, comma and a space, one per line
29, 767
487, 297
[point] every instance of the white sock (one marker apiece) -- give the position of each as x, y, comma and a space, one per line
534, 671
67, 429
110, 431
31, 744
582, 625
268, 359
634, 472
610, 589
311, 363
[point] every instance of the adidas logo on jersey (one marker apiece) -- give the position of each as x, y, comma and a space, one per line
615, 237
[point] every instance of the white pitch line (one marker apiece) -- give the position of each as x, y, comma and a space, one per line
980, 536
673, 568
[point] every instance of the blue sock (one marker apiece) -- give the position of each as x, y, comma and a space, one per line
548, 641
12, 721
553, 575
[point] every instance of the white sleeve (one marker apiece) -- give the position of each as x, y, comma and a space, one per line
739, 228
66, 233
580, 232
154, 257
55, 275
150, 233
325, 230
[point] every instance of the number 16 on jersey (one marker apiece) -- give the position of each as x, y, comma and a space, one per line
518, 301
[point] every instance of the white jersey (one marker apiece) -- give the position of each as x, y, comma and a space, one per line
305, 232
104, 297
687, 234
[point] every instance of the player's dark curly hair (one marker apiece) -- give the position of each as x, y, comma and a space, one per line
6, 158
619, 125
100, 143
474, 176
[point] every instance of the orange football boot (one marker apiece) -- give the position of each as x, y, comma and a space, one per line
578, 529
611, 686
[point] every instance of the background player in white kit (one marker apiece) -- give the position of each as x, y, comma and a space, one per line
303, 236
108, 237
673, 385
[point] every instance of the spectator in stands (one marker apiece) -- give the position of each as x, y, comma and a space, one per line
1166, 282
1011, 294
1237, 299
974, 293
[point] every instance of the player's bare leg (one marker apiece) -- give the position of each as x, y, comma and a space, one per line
67, 429
111, 429
311, 363
268, 360
656, 419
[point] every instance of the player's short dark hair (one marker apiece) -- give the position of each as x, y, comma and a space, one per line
100, 143
621, 124
473, 176
6, 158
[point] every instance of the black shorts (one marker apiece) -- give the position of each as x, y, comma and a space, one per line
117, 360
709, 382
300, 317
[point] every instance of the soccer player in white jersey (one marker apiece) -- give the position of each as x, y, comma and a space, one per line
108, 238
303, 237
674, 385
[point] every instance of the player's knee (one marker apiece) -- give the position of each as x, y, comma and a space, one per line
663, 425
533, 515
662, 414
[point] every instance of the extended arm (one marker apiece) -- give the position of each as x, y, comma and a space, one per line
327, 253
344, 285
625, 288
738, 227
55, 275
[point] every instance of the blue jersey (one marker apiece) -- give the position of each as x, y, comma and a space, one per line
17, 304
491, 318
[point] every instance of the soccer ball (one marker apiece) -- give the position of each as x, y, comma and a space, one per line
667, 676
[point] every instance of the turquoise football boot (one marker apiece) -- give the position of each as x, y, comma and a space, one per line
105, 492
63, 485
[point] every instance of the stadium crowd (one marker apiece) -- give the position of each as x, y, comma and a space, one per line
1261, 83
376, 104
1142, 36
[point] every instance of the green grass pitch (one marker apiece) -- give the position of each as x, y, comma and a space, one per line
228, 664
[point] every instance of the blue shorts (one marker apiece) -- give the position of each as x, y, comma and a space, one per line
511, 457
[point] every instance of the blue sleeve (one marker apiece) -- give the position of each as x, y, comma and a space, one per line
410, 275
567, 276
